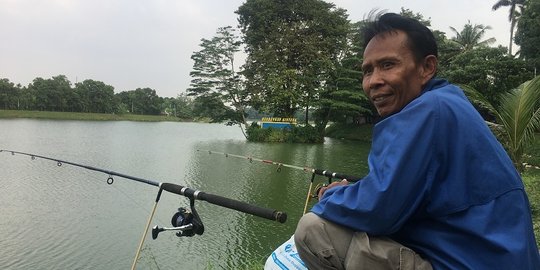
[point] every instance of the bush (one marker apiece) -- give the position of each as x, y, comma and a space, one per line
296, 134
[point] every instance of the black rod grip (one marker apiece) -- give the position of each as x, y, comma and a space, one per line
226, 202
340, 176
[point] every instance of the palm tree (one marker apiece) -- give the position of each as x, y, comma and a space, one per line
471, 36
513, 15
517, 116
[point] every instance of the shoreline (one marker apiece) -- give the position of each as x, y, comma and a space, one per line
14, 114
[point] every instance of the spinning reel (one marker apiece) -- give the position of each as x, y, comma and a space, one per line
185, 222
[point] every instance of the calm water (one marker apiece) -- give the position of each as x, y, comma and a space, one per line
70, 218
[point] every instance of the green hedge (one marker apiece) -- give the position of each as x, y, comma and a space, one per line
295, 134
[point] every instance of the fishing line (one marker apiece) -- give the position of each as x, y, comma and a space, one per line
279, 165
188, 223
313, 171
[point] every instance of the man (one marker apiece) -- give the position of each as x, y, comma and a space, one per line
441, 192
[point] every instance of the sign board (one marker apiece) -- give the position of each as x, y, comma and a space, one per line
278, 122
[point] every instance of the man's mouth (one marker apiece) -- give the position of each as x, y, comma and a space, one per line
380, 98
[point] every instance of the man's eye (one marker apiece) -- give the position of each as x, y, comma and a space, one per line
387, 65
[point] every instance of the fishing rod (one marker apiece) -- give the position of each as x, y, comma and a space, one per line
326, 173
188, 223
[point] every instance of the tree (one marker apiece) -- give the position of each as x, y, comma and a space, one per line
470, 36
513, 15
52, 94
96, 96
9, 95
489, 70
343, 100
517, 114
181, 106
147, 101
216, 80
528, 33
140, 101
292, 47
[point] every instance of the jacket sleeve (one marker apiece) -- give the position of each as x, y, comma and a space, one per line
402, 162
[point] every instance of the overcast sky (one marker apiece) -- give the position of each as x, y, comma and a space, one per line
133, 44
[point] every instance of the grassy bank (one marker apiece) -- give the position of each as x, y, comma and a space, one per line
531, 179
86, 116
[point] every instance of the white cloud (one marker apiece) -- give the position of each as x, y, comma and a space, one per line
138, 43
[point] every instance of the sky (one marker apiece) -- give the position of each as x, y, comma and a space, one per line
133, 44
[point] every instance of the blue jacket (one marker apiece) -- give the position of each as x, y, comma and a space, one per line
441, 184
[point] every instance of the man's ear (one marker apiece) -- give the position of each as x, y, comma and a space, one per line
429, 67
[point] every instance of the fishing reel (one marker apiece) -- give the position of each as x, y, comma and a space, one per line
185, 222
316, 190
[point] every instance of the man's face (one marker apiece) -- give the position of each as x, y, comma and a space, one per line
392, 76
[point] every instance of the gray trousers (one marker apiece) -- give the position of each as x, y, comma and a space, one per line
322, 244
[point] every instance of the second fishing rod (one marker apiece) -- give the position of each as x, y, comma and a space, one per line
311, 191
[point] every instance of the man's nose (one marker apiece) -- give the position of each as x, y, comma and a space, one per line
375, 80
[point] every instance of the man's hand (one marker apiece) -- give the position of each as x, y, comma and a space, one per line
333, 184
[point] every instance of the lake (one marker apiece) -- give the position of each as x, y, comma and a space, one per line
66, 217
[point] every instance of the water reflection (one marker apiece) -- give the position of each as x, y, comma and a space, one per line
69, 218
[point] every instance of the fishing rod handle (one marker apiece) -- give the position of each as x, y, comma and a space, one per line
226, 202
340, 176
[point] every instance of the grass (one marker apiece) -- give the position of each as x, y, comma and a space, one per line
86, 116
531, 180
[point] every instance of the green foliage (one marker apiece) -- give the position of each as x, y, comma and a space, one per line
470, 36
95, 96
141, 101
531, 180
344, 98
528, 33
181, 106
212, 107
56, 94
488, 70
515, 7
52, 94
518, 113
216, 82
296, 134
85, 116
8, 95
292, 48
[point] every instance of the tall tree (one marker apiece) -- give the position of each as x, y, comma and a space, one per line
52, 94
343, 100
489, 70
516, 7
528, 33
293, 47
140, 101
9, 95
471, 36
96, 96
216, 79
181, 106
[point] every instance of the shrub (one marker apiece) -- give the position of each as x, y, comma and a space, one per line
296, 134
